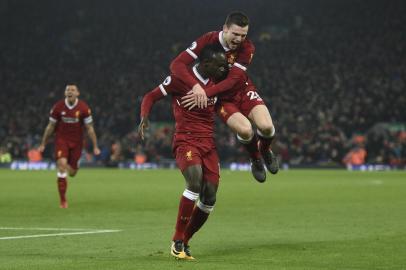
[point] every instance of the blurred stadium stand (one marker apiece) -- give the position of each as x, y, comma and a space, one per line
333, 73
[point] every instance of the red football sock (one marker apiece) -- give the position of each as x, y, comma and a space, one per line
251, 146
186, 204
62, 187
197, 220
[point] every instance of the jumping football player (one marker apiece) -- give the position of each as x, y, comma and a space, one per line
239, 51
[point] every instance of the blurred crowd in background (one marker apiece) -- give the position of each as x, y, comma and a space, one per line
333, 74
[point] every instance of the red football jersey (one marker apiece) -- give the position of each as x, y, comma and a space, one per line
238, 60
198, 122
70, 119
241, 57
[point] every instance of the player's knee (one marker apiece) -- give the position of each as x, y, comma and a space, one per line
209, 199
194, 185
245, 132
62, 165
208, 195
193, 176
267, 130
72, 173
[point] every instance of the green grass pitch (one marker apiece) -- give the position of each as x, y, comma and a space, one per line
298, 219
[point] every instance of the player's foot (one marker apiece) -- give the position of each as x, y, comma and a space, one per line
271, 161
257, 170
63, 204
177, 249
188, 253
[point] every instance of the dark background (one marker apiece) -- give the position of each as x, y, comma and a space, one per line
328, 70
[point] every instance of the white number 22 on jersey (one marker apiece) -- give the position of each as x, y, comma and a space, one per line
253, 95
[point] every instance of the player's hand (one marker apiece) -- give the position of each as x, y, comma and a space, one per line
144, 124
189, 101
199, 95
96, 150
41, 148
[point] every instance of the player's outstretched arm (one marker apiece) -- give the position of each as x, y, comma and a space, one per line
49, 130
93, 138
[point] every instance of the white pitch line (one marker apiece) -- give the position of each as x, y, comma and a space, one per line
58, 234
45, 229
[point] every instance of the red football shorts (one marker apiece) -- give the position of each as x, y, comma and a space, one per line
190, 151
242, 103
69, 150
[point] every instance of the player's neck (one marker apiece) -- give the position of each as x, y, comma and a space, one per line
70, 103
197, 70
223, 42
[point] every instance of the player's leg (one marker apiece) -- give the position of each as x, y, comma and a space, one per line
207, 198
241, 126
62, 182
75, 152
260, 115
61, 154
193, 179
189, 162
203, 208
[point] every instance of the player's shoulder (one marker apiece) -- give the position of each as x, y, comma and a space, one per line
248, 46
214, 34
59, 104
82, 104
211, 36
172, 81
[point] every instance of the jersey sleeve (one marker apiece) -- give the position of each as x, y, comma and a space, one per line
179, 66
54, 114
159, 92
234, 76
87, 114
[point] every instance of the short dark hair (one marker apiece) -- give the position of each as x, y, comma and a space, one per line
238, 18
209, 51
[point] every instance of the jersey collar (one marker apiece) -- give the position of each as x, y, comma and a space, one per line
197, 74
223, 42
70, 107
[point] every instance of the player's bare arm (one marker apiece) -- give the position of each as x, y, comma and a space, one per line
144, 124
93, 138
49, 130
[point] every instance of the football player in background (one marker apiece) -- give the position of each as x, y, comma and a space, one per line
66, 120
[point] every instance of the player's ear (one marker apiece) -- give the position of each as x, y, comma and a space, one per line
225, 28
